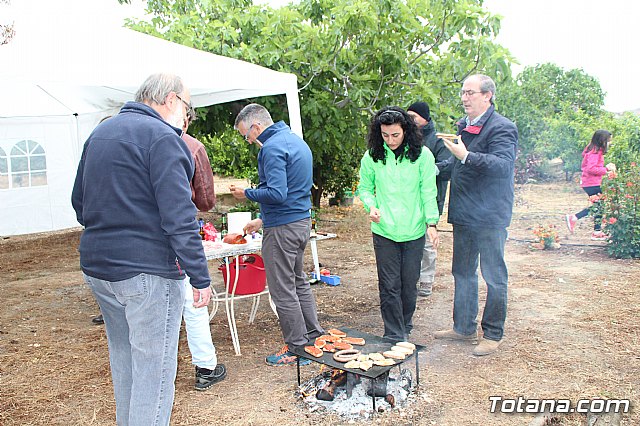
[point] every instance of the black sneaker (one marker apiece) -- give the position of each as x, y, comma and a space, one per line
98, 320
205, 378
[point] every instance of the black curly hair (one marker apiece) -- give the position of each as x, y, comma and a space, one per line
412, 136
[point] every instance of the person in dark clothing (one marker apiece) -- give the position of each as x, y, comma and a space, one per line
420, 113
132, 194
480, 208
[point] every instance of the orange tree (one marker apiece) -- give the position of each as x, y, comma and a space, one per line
351, 58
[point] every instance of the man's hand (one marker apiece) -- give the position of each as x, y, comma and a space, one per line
252, 226
201, 297
432, 233
374, 215
459, 150
237, 192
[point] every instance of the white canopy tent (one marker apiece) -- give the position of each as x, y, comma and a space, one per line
59, 79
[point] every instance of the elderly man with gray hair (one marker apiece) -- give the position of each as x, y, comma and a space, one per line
132, 194
480, 206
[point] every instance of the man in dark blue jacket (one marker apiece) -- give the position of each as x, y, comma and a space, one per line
480, 206
284, 193
132, 193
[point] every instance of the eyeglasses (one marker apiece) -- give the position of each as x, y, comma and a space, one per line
246, 135
470, 92
391, 116
191, 114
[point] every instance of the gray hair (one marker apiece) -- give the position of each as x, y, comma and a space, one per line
486, 84
157, 87
253, 113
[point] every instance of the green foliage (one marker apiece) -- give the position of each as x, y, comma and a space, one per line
246, 206
230, 155
621, 212
556, 112
625, 144
351, 57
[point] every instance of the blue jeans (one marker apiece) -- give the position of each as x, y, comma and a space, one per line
142, 317
469, 243
398, 267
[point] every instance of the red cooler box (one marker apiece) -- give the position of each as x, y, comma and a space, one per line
251, 278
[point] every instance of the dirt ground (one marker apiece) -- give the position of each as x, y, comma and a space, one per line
572, 332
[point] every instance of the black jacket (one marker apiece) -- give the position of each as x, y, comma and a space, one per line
482, 189
441, 155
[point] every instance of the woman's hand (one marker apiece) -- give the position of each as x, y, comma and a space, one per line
611, 167
374, 215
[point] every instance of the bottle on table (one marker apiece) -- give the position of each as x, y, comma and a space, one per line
224, 228
259, 216
313, 222
201, 232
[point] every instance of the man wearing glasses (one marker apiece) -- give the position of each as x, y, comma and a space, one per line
132, 195
480, 207
284, 193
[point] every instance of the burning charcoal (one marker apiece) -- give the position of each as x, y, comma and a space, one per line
311, 386
390, 400
328, 393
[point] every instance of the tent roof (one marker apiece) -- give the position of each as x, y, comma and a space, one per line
53, 67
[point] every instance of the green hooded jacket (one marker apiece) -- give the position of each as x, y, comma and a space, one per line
404, 192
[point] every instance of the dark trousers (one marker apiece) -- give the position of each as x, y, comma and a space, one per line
398, 267
487, 244
597, 220
283, 252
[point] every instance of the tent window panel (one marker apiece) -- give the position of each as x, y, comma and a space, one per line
38, 178
27, 165
38, 162
19, 164
4, 170
4, 163
19, 149
20, 180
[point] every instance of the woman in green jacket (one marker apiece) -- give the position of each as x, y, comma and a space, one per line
398, 189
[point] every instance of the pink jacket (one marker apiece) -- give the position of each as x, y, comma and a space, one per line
593, 168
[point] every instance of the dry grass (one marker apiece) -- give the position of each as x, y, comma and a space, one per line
572, 332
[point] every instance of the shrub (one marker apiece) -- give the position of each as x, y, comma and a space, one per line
621, 215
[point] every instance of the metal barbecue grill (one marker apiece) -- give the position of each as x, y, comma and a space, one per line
373, 344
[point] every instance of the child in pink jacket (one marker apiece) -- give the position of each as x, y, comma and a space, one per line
593, 169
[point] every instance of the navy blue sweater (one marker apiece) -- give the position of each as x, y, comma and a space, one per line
285, 170
132, 195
